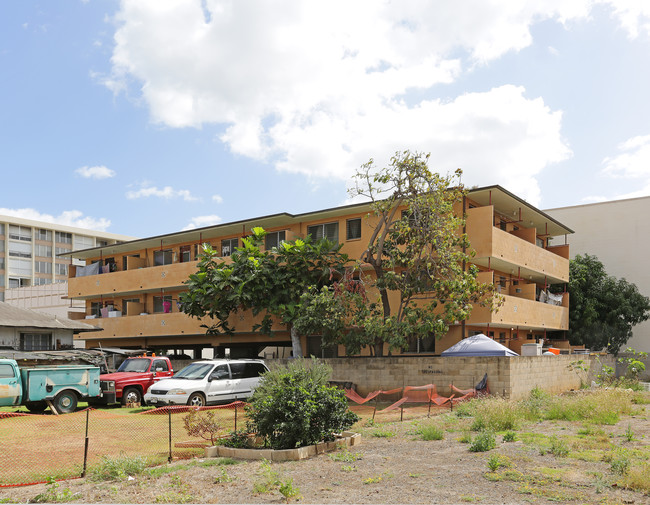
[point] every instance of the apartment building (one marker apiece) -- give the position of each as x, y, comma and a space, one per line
31, 274
131, 289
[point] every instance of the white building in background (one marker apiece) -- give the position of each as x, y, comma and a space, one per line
31, 274
618, 234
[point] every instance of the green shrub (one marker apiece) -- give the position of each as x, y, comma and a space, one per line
509, 436
558, 447
117, 468
293, 406
202, 424
239, 439
496, 461
431, 432
483, 442
496, 414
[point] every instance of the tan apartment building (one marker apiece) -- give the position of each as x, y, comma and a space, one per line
32, 276
131, 289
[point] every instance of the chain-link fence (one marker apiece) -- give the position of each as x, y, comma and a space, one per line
38, 447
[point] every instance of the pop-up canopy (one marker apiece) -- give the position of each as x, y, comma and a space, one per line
478, 345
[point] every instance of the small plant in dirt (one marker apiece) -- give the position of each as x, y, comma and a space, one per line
349, 468
558, 448
483, 442
465, 438
179, 492
268, 479
202, 424
54, 494
119, 468
629, 434
383, 434
346, 456
223, 477
620, 463
373, 480
431, 432
496, 461
288, 490
637, 478
294, 406
509, 436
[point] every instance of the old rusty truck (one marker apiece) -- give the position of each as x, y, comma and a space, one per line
38, 387
132, 379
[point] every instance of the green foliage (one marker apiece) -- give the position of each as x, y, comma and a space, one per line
202, 424
498, 414
179, 492
268, 282
431, 432
383, 434
345, 456
558, 447
483, 442
239, 439
223, 477
54, 494
117, 468
509, 436
620, 464
603, 309
496, 461
293, 406
629, 434
288, 491
268, 479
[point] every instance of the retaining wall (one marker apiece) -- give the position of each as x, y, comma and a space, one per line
511, 377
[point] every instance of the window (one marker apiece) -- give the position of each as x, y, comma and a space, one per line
274, 239
35, 341
2, 263
41, 281
61, 269
20, 249
162, 304
83, 242
43, 267
353, 229
162, 257
330, 231
61, 250
186, 254
43, 234
160, 365
422, 345
2, 245
43, 250
539, 242
19, 282
2, 229
102, 243
63, 238
20, 233
228, 246
220, 372
20, 267
6, 371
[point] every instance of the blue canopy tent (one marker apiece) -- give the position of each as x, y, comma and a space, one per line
478, 345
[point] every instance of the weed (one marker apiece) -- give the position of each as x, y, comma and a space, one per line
465, 438
373, 480
179, 493
269, 479
53, 494
509, 436
620, 464
415, 475
346, 456
383, 434
223, 477
431, 432
629, 434
483, 442
637, 478
117, 468
470, 498
349, 468
558, 448
496, 461
288, 491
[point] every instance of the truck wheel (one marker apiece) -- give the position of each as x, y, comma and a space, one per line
131, 395
66, 401
196, 400
37, 407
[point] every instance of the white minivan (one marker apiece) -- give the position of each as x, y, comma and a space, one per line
208, 382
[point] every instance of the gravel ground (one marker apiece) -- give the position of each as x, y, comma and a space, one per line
391, 465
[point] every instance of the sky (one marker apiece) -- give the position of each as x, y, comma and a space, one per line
145, 117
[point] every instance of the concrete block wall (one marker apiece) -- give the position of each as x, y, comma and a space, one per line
510, 377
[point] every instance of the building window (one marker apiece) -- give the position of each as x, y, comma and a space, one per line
20, 233
2, 263
44, 251
43, 267
186, 254
2, 229
61, 269
63, 238
274, 239
422, 345
228, 246
43, 234
162, 257
83, 242
162, 304
35, 341
20, 250
41, 281
61, 250
330, 231
353, 229
20, 267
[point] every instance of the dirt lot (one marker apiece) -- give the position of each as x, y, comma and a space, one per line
394, 465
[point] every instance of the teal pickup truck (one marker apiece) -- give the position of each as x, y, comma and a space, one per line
37, 387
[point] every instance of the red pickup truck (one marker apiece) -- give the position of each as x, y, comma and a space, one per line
133, 378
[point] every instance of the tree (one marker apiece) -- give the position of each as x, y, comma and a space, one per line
418, 254
602, 310
265, 282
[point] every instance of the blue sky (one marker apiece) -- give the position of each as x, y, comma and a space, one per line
145, 117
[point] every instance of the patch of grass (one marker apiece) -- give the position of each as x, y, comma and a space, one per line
54, 494
470, 498
117, 468
629, 434
346, 456
373, 480
268, 480
465, 438
288, 490
431, 432
496, 461
179, 492
620, 463
223, 477
637, 478
509, 436
349, 468
559, 447
496, 414
383, 434
483, 442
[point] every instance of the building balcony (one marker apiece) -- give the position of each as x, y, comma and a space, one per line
131, 281
515, 251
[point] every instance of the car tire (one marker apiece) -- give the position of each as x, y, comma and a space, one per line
36, 407
66, 401
196, 400
131, 395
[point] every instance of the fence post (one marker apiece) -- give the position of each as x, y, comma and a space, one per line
83, 472
169, 412
235, 417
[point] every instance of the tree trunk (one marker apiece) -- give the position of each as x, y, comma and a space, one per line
295, 343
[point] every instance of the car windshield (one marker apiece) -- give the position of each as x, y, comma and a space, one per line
134, 365
194, 371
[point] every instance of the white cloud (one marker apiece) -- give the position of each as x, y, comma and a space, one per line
317, 88
217, 198
633, 15
167, 193
632, 162
66, 218
201, 221
96, 172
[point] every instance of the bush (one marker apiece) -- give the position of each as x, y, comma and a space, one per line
293, 406
202, 424
431, 432
117, 468
483, 442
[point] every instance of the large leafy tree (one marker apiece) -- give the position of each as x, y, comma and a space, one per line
264, 282
603, 309
418, 256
